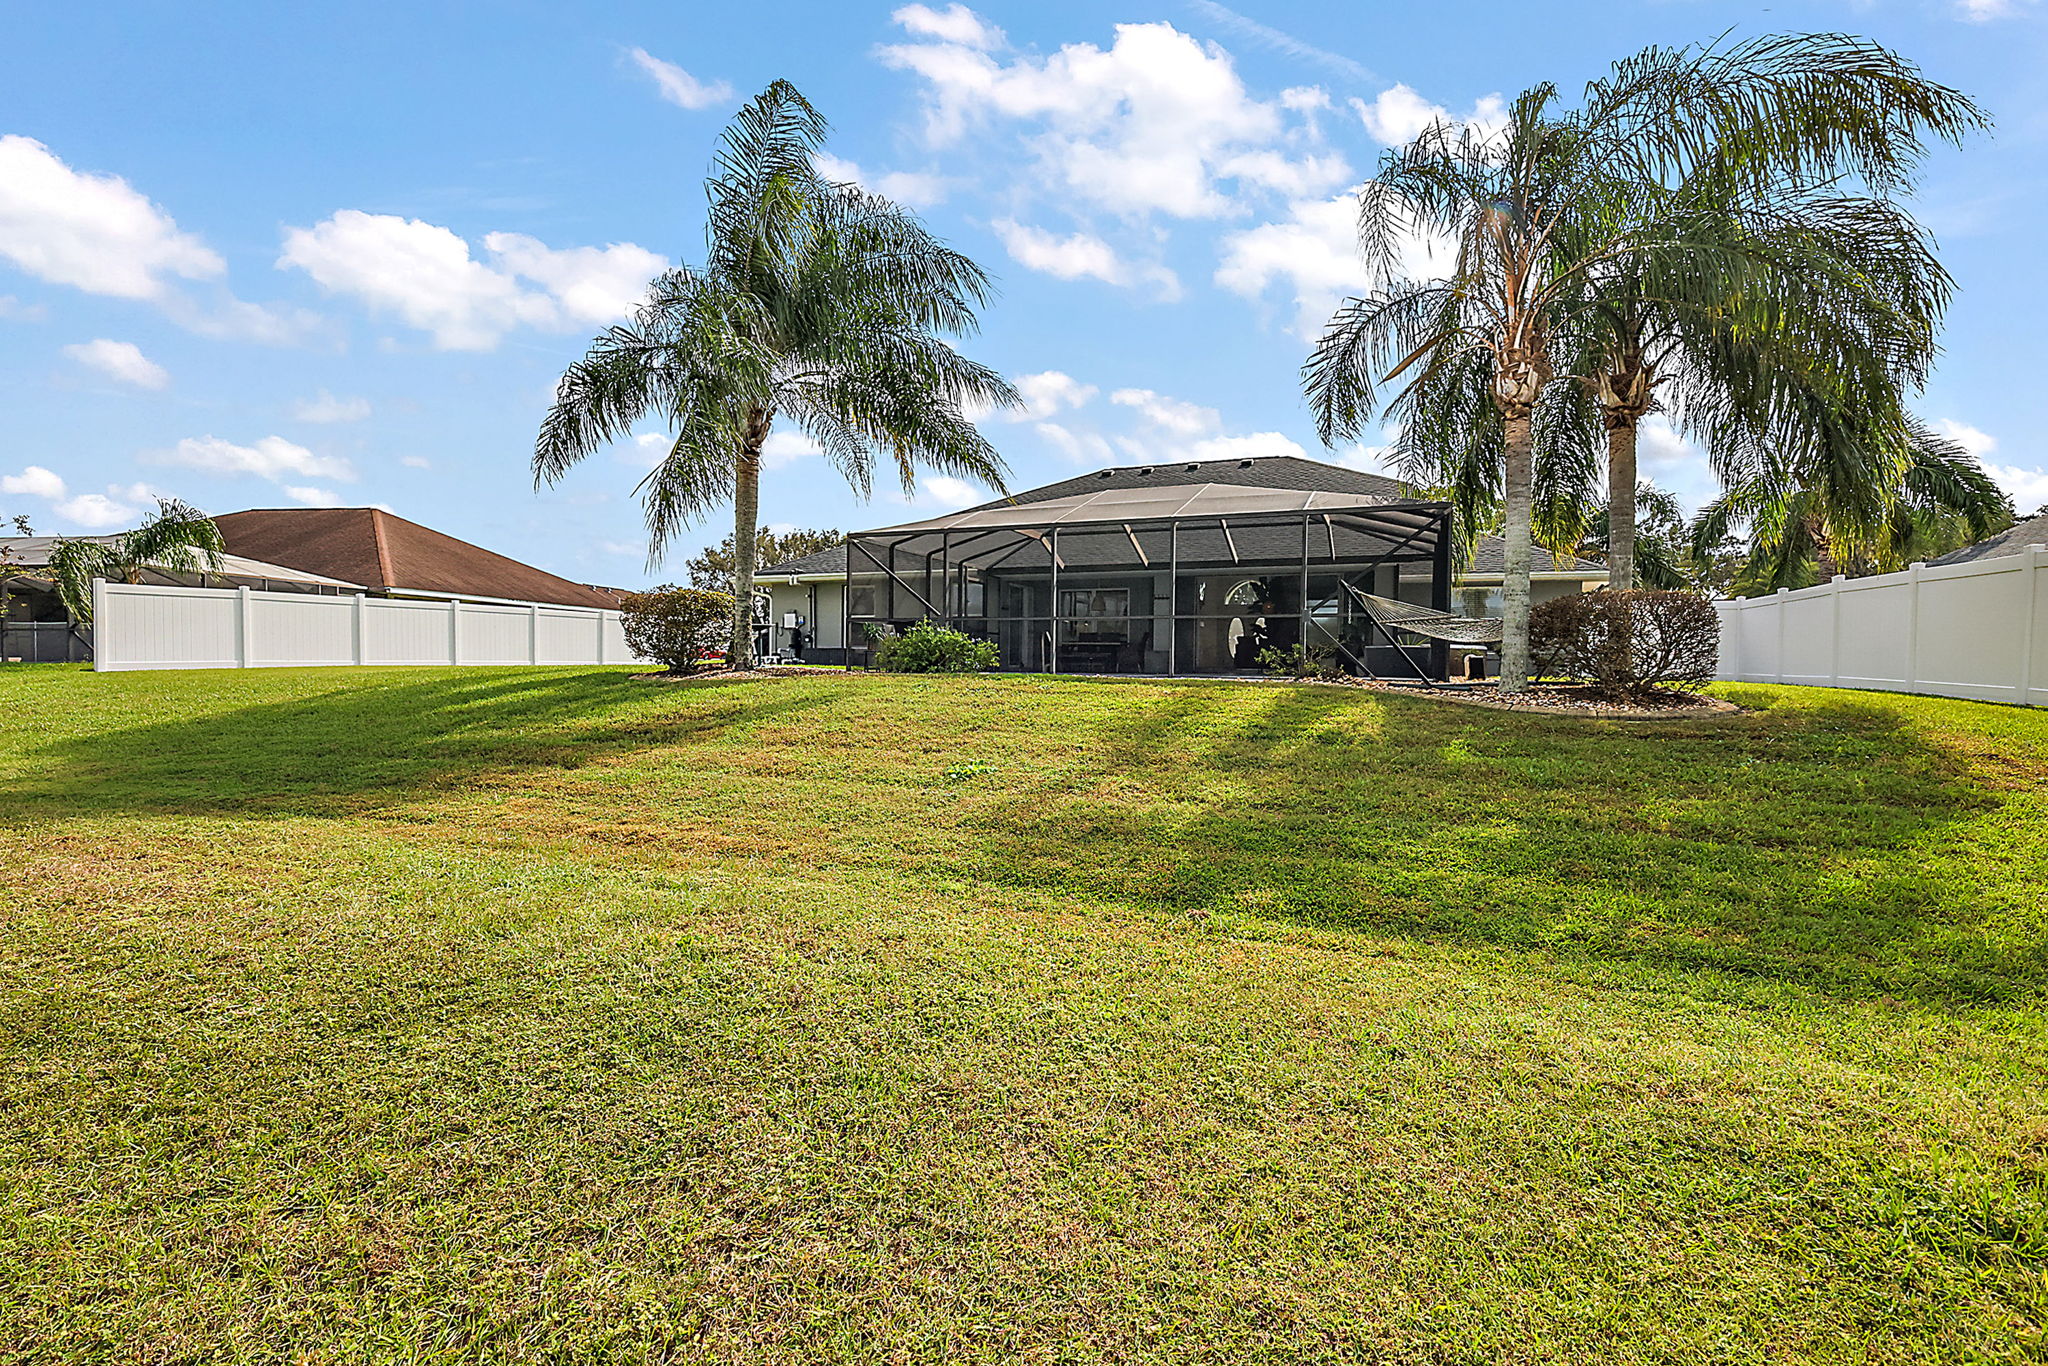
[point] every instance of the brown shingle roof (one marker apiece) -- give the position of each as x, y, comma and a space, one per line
382, 550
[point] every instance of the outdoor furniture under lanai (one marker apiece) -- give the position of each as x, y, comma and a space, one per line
1182, 576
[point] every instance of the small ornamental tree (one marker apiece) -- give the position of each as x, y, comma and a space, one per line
677, 626
1626, 643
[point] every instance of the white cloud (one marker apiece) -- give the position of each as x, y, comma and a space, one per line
647, 450
1254, 445
1156, 123
918, 189
308, 497
1282, 42
1660, 448
100, 234
1314, 250
93, 232
1983, 11
35, 480
1048, 391
425, 274
2028, 488
118, 360
785, 445
1397, 115
1080, 256
589, 284
11, 307
954, 24
1170, 414
325, 407
415, 462
678, 86
1083, 448
947, 491
1977, 443
272, 458
95, 511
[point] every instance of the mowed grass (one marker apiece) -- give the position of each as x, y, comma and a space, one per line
547, 1016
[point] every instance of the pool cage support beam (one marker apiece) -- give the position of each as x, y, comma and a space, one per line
1172, 598
1053, 636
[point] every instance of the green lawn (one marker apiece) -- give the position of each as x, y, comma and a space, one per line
534, 1015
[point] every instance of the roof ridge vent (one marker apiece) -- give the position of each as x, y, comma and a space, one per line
1244, 464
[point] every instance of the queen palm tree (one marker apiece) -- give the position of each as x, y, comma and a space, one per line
1806, 517
175, 539
816, 301
1554, 204
1759, 267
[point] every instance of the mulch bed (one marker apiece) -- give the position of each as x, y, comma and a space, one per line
720, 675
1664, 704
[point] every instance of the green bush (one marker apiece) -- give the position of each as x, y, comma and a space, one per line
677, 626
1293, 661
927, 648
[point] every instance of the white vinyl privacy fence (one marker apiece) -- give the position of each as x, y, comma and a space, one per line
1977, 630
142, 626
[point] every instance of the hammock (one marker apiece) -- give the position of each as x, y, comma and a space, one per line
1427, 621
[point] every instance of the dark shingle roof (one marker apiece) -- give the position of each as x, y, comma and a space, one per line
2011, 541
373, 547
1490, 556
1266, 472
1263, 472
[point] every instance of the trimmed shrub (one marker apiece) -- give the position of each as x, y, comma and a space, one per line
927, 648
678, 626
1626, 643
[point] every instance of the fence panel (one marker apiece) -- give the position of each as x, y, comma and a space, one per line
143, 626
1976, 630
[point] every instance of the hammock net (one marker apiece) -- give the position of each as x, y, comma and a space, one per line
1393, 615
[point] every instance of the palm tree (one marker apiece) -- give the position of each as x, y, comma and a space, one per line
1756, 268
1808, 519
819, 302
1543, 211
175, 539
1482, 335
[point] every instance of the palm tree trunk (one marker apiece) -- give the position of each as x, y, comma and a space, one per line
746, 512
1516, 504
1621, 501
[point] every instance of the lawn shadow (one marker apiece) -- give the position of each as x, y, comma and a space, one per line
369, 741
1793, 844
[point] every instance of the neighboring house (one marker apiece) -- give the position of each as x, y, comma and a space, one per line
396, 558
38, 630
298, 550
1188, 567
2011, 541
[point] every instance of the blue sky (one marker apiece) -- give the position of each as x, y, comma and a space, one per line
259, 255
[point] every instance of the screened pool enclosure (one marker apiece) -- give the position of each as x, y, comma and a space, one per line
1172, 579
